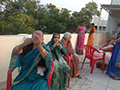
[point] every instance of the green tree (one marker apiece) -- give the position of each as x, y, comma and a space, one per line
19, 16
23, 16
20, 23
14, 7
88, 12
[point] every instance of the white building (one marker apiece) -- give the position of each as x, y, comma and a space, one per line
114, 16
102, 25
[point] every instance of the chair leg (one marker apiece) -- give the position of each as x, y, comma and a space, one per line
103, 62
90, 63
69, 82
92, 67
83, 62
103, 65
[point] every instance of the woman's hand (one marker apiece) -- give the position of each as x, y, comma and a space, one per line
27, 42
57, 44
112, 42
71, 56
19, 49
37, 41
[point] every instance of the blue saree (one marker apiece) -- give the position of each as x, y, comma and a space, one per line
28, 79
114, 64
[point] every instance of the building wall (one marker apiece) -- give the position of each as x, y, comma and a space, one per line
8, 42
116, 2
112, 25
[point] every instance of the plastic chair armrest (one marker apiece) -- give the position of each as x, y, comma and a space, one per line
102, 47
69, 59
51, 73
9, 79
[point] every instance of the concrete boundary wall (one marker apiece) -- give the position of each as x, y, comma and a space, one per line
8, 42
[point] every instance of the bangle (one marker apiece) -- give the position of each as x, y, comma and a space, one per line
43, 50
17, 48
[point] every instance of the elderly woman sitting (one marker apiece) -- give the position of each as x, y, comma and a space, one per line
34, 58
74, 59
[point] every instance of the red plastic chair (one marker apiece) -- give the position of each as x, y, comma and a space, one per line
9, 77
89, 53
69, 60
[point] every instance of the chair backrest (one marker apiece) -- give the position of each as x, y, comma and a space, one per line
89, 51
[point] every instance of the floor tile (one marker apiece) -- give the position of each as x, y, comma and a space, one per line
108, 88
114, 84
92, 86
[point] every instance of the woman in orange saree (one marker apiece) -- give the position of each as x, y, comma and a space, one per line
91, 36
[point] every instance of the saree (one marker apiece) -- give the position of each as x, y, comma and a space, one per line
80, 40
74, 60
114, 64
61, 69
28, 79
91, 37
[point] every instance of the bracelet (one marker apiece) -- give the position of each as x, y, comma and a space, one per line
43, 50
17, 48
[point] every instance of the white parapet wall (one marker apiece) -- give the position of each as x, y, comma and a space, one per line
8, 42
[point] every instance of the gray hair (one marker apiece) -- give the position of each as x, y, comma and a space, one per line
67, 35
40, 31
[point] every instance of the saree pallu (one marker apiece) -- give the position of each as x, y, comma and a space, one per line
114, 64
28, 79
91, 37
80, 40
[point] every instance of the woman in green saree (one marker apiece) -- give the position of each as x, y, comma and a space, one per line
32, 56
61, 69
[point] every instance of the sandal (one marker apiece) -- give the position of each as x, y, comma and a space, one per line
115, 78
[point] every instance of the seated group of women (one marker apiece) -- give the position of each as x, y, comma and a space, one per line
34, 59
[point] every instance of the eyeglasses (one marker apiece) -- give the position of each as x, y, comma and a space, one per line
38, 34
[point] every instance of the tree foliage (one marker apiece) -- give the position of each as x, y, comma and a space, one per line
20, 23
24, 16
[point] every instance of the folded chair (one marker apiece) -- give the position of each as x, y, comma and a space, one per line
90, 54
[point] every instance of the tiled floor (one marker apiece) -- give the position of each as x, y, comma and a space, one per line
95, 81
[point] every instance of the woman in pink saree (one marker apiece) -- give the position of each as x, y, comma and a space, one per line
81, 38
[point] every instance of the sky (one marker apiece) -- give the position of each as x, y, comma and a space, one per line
76, 5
